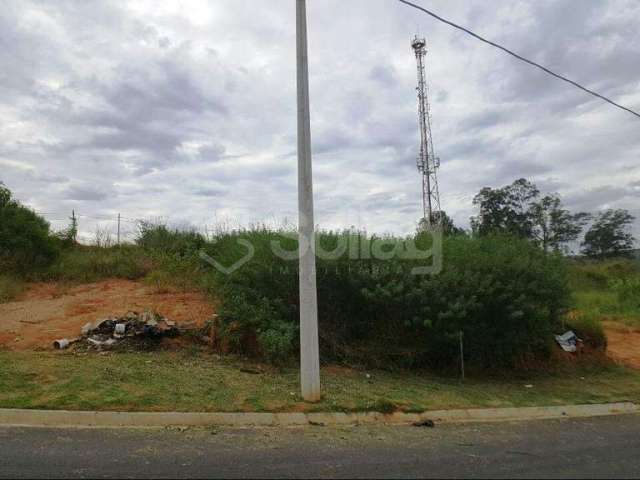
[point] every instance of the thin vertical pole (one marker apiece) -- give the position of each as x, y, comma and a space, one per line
74, 224
309, 351
118, 229
462, 354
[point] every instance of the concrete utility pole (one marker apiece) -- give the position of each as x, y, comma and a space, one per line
309, 351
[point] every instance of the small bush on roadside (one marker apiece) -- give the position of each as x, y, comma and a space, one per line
589, 328
10, 288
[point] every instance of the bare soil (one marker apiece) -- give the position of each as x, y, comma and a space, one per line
623, 343
49, 311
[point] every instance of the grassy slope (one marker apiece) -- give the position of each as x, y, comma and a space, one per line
194, 381
593, 294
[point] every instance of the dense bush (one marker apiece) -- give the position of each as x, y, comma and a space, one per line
505, 295
25, 240
160, 238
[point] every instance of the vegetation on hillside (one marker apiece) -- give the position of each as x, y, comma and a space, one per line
26, 242
504, 289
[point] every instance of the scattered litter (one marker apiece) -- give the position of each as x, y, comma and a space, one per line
528, 386
64, 343
425, 423
568, 341
110, 332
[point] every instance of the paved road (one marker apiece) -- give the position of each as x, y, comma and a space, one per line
603, 447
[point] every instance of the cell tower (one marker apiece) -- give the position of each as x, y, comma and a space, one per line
428, 163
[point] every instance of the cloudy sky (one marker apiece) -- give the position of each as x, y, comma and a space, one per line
186, 110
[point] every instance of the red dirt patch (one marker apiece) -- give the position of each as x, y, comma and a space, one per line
49, 311
623, 343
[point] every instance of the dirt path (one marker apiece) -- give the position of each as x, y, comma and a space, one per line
623, 343
50, 311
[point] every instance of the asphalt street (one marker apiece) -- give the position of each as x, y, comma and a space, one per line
595, 448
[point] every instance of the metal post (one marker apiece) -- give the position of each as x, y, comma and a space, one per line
118, 229
462, 354
309, 351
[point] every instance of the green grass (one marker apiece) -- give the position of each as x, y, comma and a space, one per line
90, 264
194, 381
10, 288
594, 289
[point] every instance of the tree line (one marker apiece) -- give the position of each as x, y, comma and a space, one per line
521, 210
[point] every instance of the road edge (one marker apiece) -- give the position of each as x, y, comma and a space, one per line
87, 419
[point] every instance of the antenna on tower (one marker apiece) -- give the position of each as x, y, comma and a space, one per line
428, 163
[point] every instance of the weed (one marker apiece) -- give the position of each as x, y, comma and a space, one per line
10, 288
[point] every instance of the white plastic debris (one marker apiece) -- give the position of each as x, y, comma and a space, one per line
568, 341
61, 344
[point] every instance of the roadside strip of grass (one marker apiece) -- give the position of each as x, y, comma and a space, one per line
169, 381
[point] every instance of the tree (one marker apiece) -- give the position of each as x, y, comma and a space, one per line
506, 210
608, 236
25, 240
555, 226
448, 227
518, 210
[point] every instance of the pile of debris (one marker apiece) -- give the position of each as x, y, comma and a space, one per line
109, 332
569, 342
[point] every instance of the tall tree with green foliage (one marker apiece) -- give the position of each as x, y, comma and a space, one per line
609, 235
506, 210
519, 210
555, 226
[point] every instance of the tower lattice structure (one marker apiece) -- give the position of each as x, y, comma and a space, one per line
428, 163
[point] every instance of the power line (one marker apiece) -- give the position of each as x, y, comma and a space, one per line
519, 57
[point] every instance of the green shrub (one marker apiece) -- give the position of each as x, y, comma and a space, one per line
160, 238
504, 294
10, 288
589, 328
276, 340
627, 291
25, 240
160, 280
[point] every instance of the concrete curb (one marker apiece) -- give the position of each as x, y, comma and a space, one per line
68, 419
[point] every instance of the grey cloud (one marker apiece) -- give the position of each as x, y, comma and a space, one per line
85, 193
384, 74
